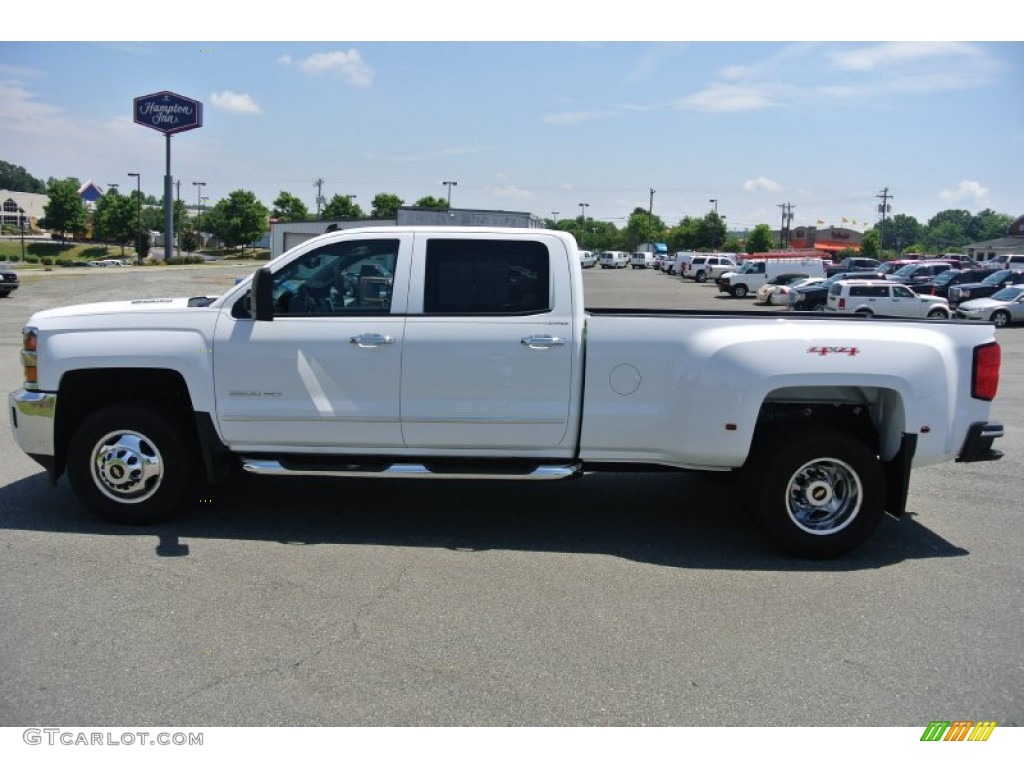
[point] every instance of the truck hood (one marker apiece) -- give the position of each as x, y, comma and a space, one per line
123, 307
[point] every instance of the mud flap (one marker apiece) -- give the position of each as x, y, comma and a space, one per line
897, 476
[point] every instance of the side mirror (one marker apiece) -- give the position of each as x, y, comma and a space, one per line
262, 301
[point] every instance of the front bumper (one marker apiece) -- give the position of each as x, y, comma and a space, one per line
32, 424
978, 444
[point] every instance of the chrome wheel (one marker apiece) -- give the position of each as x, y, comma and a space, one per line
824, 496
127, 467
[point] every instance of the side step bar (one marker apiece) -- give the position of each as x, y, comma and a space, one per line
439, 471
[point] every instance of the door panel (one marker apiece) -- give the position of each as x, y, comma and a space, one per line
324, 374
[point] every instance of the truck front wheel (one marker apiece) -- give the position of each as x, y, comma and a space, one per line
739, 291
129, 465
817, 493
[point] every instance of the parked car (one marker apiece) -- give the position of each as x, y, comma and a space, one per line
663, 260
812, 298
1001, 308
614, 260
885, 298
8, 282
642, 260
941, 283
754, 273
919, 272
681, 260
587, 259
988, 286
852, 264
699, 268
1007, 261
767, 291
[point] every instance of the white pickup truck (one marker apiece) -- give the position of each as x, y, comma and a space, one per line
467, 352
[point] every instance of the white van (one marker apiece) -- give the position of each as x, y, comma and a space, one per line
643, 260
614, 260
756, 272
587, 259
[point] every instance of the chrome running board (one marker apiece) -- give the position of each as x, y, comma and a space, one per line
439, 471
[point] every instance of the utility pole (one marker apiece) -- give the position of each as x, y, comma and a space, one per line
554, 218
319, 184
583, 220
787, 219
883, 208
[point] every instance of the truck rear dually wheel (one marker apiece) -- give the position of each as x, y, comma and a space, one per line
129, 464
818, 493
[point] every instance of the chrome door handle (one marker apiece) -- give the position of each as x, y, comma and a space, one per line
542, 342
372, 340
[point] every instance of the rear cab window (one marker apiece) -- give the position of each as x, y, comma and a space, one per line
486, 277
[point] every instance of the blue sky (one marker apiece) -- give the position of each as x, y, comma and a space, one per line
538, 126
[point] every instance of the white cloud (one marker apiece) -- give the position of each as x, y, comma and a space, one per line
230, 101
727, 98
509, 190
575, 118
348, 64
761, 184
970, 191
884, 55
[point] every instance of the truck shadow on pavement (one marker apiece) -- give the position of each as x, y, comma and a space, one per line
670, 519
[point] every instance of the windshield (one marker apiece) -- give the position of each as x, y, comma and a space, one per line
997, 277
945, 277
906, 271
1009, 293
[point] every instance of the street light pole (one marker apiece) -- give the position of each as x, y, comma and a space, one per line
199, 210
21, 226
714, 239
138, 185
583, 221
450, 184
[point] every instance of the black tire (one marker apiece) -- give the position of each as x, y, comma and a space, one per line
817, 493
130, 464
739, 291
938, 314
4, 294
819, 307
865, 313
700, 277
1000, 318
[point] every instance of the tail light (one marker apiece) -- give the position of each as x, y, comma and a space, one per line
985, 371
842, 303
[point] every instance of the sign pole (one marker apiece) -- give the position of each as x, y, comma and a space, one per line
168, 113
168, 206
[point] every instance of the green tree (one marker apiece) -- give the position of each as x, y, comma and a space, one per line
761, 239
711, 231
288, 207
115, 219
643, 228
900, 231
871, 244
431, 202
385, 206
342, 207
237, 219
17, 179
989, 225
685, 236
64, 211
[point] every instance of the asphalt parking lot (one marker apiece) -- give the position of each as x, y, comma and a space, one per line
615, 600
